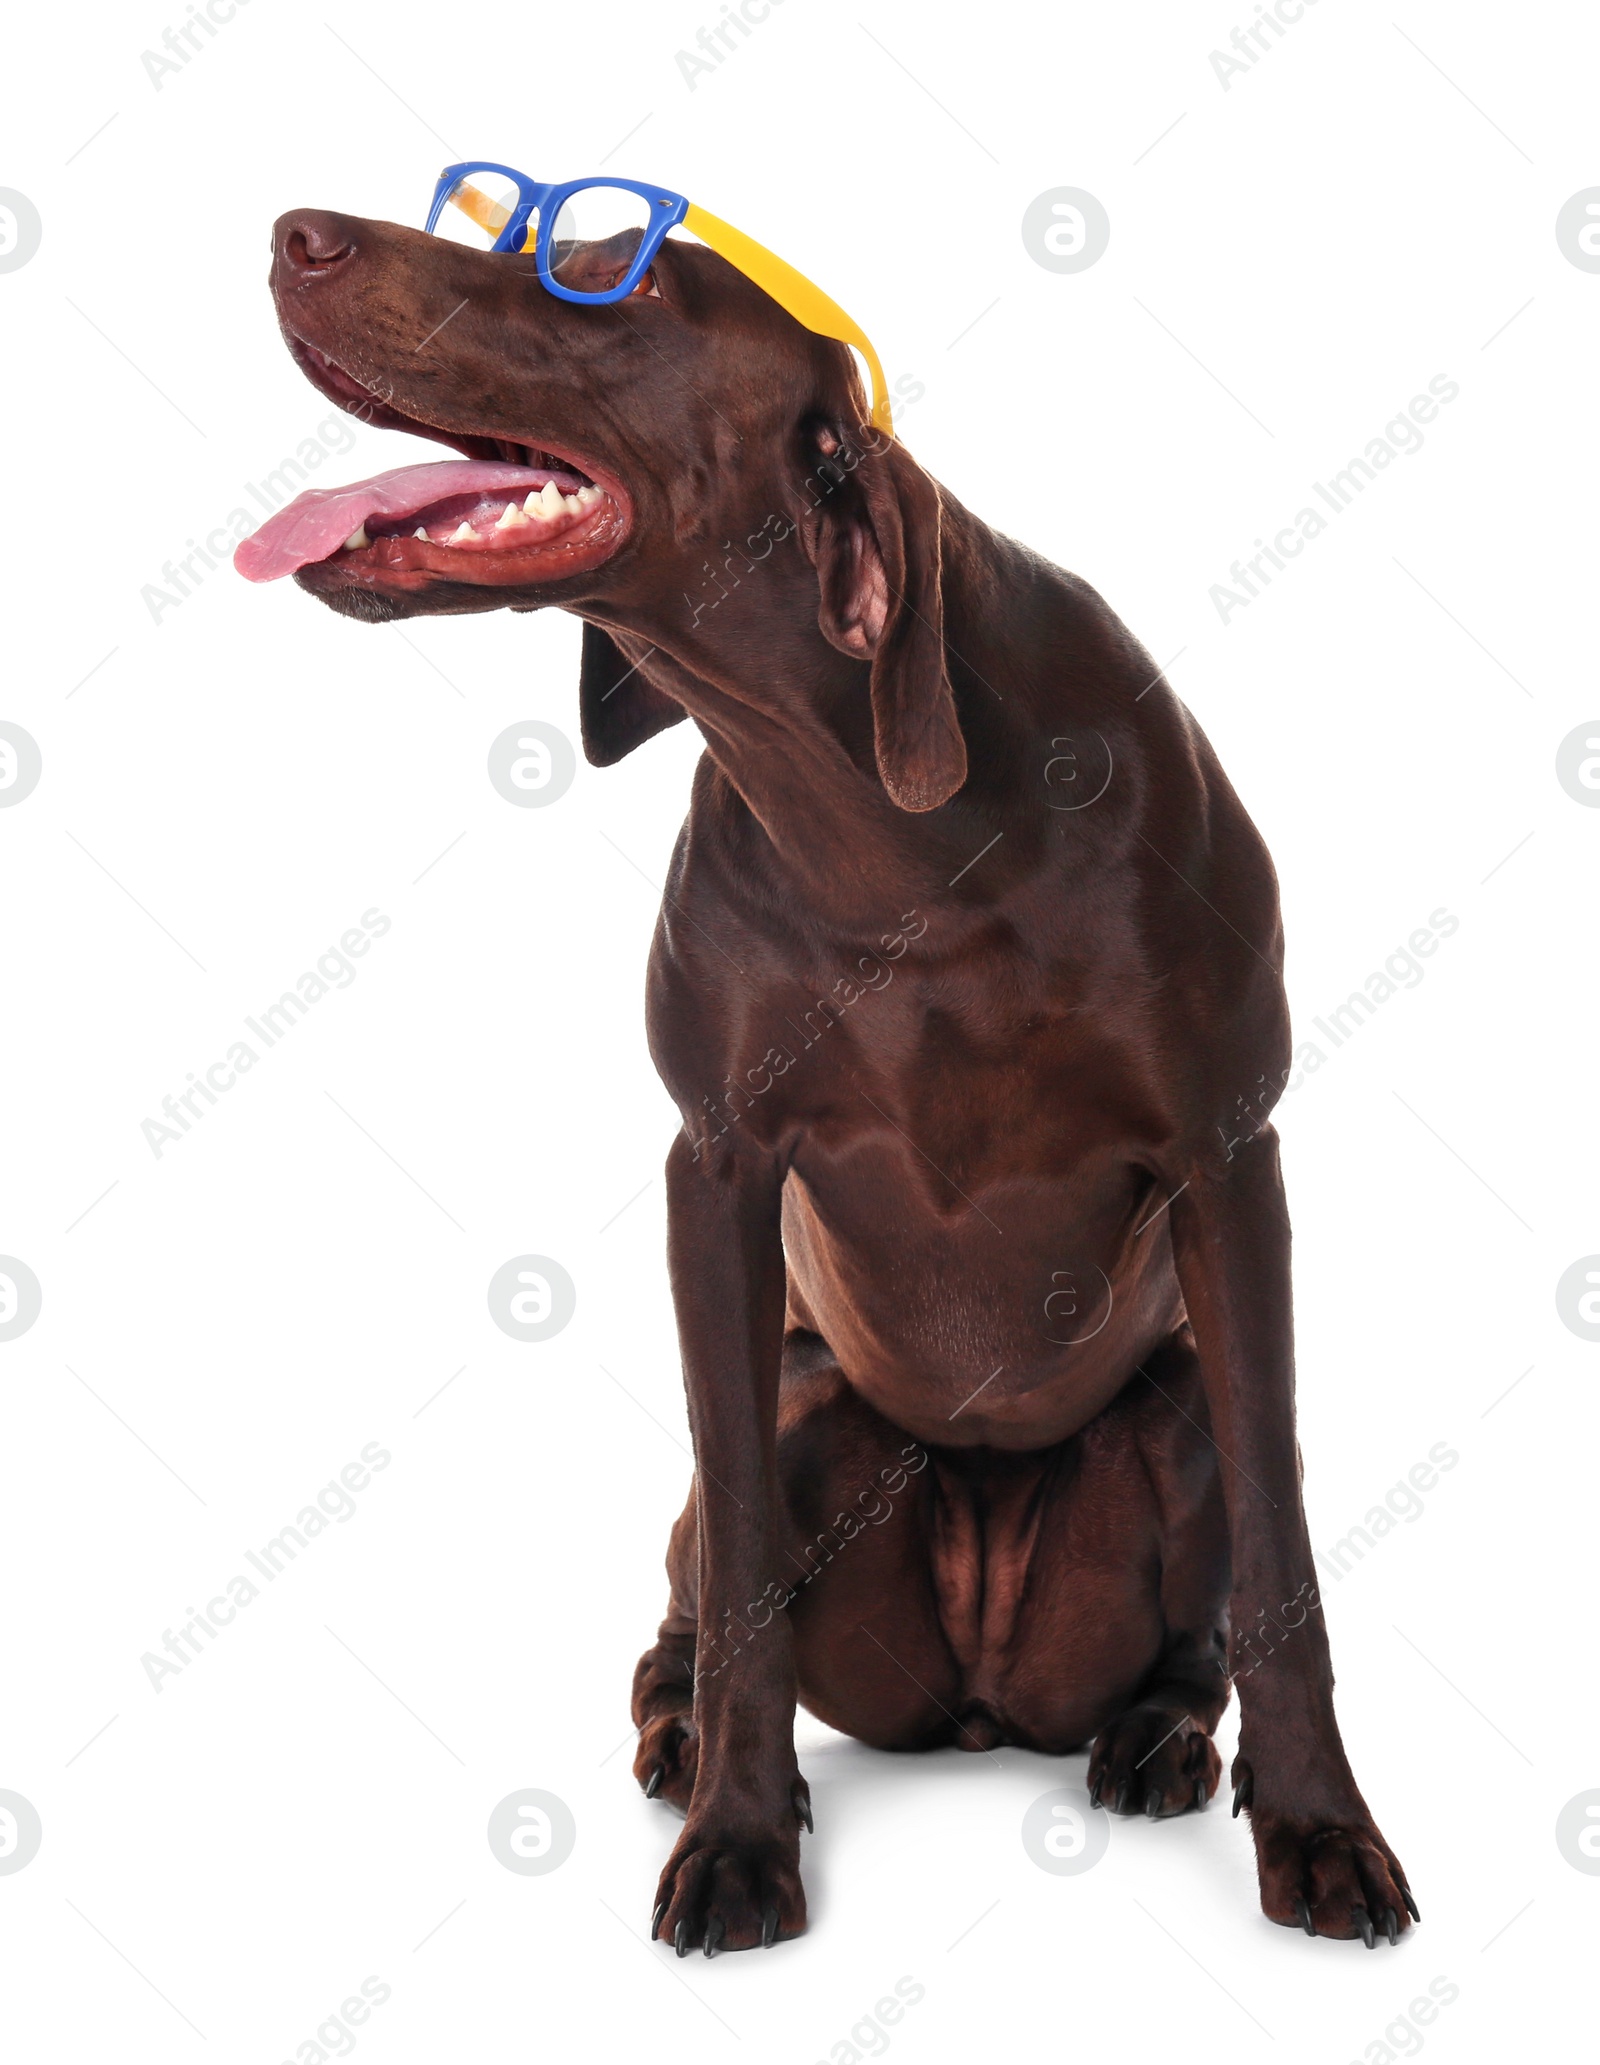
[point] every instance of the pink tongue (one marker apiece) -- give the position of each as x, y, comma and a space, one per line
316, 524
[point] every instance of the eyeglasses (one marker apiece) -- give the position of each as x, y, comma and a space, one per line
494, 208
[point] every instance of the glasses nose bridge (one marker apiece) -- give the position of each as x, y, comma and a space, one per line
521, 232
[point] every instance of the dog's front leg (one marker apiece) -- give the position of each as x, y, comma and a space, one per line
1321, 1860
733, 1879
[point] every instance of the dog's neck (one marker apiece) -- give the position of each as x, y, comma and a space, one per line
787, 722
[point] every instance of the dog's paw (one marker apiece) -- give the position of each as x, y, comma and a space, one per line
1337, 1879
731, 1890
1144, 1763
666, 1758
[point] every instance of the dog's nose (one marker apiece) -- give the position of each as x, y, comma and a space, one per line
312, 241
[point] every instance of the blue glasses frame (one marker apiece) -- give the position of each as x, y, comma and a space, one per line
667, 209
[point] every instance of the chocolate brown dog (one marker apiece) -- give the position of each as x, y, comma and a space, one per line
967, 986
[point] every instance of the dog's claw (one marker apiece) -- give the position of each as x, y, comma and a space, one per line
1241, 1796
655, 1781
769, 1928
680, 1938
1391, 1924
1121, 1800
715, 1931
1094, 1790
655, 1921
1200, 1800
1302, 1908
1154, 1803
1363, 1922
1411, 1905
802, 1808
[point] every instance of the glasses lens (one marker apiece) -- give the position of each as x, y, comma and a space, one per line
596, 237
476, 209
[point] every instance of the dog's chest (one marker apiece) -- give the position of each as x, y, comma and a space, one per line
1023, 1077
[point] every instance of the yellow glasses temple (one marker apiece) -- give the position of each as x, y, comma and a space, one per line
476, 204
805, 301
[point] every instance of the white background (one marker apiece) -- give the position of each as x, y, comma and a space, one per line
227, 790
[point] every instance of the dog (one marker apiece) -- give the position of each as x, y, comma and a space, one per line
967, 986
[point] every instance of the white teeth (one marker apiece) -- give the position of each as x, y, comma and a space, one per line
462, 535
532, 503
419, 532
357, 538
572, 505
551, 501
587, 497
511, 518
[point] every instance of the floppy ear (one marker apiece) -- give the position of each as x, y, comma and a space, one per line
618, 708
877, 554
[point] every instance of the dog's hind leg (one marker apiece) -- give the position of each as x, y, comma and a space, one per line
871, 1653
663, 1682
1156, 1756
872, 1658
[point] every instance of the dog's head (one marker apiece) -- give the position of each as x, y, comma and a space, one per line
618, 461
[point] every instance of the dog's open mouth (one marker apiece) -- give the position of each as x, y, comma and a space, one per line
508, 515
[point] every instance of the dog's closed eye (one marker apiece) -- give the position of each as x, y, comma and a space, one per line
598, 266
